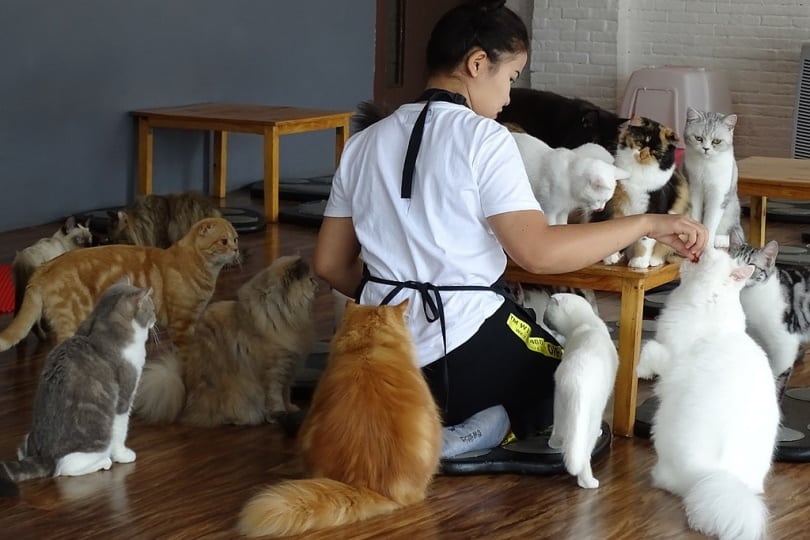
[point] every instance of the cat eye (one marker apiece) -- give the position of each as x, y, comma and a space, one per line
715, 141
224, 241
698, 139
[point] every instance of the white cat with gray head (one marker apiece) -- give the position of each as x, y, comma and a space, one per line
583, 382
710, 166
564, 180
715, 428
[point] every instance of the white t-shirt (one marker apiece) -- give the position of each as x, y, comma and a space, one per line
468, 168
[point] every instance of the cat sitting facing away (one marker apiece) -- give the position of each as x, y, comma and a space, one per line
82, 403
561, 121
565, 180
647, 151
358, 467
159, 220
715, 428
70, 236
710, 166
64, 290
584, 381
244, 356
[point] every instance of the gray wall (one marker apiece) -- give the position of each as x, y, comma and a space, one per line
71, 70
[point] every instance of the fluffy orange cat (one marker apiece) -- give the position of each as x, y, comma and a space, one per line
245, 353
182, 278
366, 465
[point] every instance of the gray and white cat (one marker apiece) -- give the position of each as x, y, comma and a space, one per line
564, 180
85, 393
584, 381
70, 236
715, 428
710, 166
776, 300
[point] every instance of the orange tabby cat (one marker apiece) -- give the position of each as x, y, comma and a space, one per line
245, 352
182, 278
371, 439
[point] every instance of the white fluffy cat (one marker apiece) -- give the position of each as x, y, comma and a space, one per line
584, 382
564, 180
715, 428
712, 171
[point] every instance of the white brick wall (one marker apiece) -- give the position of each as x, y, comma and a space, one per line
589, 48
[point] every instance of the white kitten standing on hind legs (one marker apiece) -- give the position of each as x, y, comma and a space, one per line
715, 428
584, 381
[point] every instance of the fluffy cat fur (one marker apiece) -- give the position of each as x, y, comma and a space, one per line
561, 121
244, 355
358, 467
647, 151
71, 235
712, 171
775, 301
564, 180
159, 220
715, 428
182, 277
82, 403
584, 381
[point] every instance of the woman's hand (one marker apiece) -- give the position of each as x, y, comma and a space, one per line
682, 233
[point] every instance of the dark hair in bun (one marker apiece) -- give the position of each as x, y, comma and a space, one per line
486, 24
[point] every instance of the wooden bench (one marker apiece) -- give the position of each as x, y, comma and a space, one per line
632, 284
221, 118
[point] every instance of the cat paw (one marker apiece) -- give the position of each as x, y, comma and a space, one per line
639, 262
721, 241
587, 482
292, 408
655, 260
105, 464
555, 442
123, 455
612, 259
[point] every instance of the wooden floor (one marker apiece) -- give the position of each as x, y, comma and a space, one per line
190, 483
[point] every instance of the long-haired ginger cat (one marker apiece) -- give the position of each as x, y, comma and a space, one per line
372, 437
245, 352
182, 278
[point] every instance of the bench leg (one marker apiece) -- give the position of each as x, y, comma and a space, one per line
341, 134
219, 164
626, 389
271, 174
145, 141
759, 207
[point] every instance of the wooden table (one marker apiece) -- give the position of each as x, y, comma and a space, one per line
763, 177
221, 118
632, 284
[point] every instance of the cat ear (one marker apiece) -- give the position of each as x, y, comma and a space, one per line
123, 280
742, 273
771, 250
402, 307
205, 227
69, 225
730, 120
736, 238
636, 121
692, 115
122, 216
143, 294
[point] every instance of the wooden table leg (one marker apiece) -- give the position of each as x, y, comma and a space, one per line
145, 142
626, 389
757, 218
219, 164
271, 174
341, 134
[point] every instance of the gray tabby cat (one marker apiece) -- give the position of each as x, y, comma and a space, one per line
85, 393
712, 172
776, 301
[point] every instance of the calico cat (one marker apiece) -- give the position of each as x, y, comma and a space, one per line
71, 235
715, 428
358, 469
159, 220
584, 381
564, 180
561, 121
646, 150
245, 353
775, 303
710, 166
82, 403
64, 290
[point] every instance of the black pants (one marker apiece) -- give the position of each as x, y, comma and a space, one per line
503, 363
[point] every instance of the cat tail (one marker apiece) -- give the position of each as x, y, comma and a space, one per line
27, 468
299, 506
721, 504
369, 113
30, 312
161, 393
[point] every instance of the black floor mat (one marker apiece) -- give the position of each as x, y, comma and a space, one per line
308, 213
297, 189
786, 211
